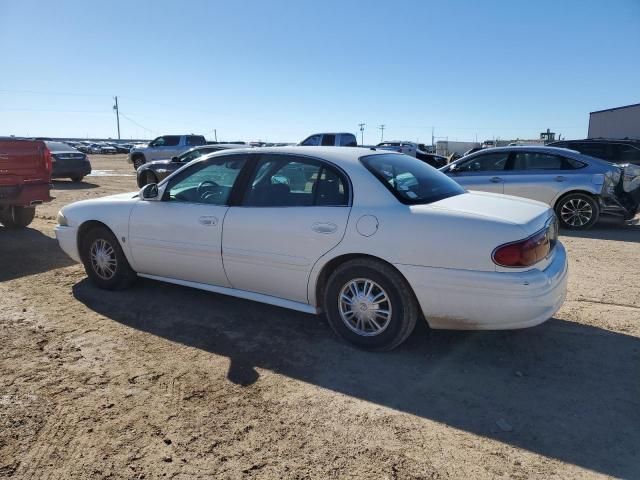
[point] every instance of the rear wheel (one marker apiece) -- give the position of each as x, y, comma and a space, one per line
104, 261
77, 178
577, 211
17, 217
369, 304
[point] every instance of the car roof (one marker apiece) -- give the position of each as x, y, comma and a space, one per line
540, 149
338, 155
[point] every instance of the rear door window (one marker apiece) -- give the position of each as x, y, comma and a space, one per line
348, 140
543, 161
195, 140
625, 154
291, 181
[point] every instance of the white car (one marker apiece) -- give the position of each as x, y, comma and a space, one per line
374, 239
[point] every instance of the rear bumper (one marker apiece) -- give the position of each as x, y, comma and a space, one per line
61, 171
68, 240
25, 195
471, 300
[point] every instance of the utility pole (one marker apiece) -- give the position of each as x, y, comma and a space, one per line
381, 127
115, 107
433, 145
361, 125
215, 134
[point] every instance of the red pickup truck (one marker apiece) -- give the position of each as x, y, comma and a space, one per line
25, 180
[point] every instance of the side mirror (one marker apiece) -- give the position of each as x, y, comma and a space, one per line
175, 159
149, 192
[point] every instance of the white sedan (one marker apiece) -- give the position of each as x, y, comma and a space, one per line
373, 239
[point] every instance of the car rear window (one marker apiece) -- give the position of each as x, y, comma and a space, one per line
58, 147
410, 180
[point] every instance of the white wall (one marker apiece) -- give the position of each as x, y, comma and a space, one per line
620, 123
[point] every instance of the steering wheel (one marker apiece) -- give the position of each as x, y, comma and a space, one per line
203, 184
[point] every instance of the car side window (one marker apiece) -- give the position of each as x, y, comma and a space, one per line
312, 141
208, 182
328, 140
598, 150
171, 140
195, 140
348, 140
487, 162
289, 181
158, 142
539, 161
625, 154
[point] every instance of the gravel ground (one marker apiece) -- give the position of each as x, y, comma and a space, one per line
162, 381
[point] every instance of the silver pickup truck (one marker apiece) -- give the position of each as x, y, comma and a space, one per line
163, 148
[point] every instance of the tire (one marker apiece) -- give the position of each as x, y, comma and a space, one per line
388, 331
17, 217
104, 261
577, 211
138, 161
77, 178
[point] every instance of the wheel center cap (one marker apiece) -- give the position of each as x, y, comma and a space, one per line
363, 307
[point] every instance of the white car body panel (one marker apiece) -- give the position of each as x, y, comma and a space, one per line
283, 243
276, 255
178, 240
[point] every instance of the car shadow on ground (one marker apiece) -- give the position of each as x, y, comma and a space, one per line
69, 185
563, 390
609, 229
26, 251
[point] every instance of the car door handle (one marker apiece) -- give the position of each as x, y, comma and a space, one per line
324, 227
496, 179
560, 178
208, 221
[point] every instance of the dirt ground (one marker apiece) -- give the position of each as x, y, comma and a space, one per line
162, 381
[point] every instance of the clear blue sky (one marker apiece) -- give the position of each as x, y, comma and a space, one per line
279, 70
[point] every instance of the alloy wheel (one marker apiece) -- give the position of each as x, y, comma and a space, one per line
364, 307
103, 259
576, 212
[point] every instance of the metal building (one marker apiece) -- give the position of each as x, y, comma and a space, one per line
619, 122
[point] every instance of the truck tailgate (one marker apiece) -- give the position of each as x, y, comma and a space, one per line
22, 162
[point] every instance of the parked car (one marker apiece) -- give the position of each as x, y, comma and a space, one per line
106, 148
25, 177
577, 186
122, 147
330, 139
154, 172
325, 230
614, 151
163, 148
418, 150
67, 162
83, 147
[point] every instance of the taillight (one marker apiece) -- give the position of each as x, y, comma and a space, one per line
47, 160
527, 252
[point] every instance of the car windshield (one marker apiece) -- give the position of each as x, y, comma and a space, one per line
411, 180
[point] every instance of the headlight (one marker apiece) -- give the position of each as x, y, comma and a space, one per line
62, 220
162, 170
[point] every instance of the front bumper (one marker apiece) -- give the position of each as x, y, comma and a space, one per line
68, 240
472, 300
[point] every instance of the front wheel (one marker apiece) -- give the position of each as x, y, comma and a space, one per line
17, 217
577, 211
77, 178
138, 161
369, 304
104, 261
